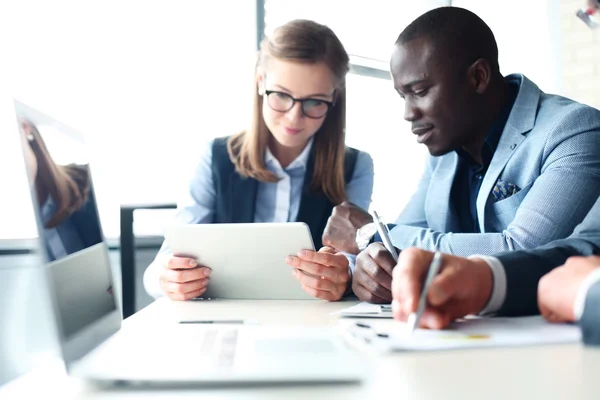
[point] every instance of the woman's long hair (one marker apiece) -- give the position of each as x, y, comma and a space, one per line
307, 42
68, 185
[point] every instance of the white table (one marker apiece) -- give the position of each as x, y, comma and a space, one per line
543, 372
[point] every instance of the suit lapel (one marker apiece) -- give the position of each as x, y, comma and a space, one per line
519, 123
242, 192
312, 208
438, 207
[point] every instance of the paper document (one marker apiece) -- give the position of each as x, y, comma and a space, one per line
468, 333
366, 310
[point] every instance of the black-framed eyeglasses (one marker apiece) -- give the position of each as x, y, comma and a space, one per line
311, 108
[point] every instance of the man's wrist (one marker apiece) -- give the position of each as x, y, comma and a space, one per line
496, 292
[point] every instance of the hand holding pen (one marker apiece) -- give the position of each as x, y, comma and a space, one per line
384, 233
372, 279
457, 287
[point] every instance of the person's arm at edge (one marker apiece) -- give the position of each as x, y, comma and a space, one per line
196, 206
522, 270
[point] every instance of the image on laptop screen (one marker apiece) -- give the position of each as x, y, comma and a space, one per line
71, 239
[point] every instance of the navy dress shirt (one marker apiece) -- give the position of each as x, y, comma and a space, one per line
469, 174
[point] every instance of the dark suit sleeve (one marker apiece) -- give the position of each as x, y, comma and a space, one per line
524, 268
590, 320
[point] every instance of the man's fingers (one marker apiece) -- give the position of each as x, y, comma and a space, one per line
435, 319
380, 290
365, 295
185, 275
408, 277
445, 286
365, 263
174, 262
544, 310
382, 257
380, 293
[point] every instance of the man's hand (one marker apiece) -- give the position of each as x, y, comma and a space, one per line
340, 232
558, 289
183, 279
463, 286
372, 279
323, 274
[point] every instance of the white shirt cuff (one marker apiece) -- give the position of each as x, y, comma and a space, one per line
351, 260
499, 286
588, 282
351, 265
152, 279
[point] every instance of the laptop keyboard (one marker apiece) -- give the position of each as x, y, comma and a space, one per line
215, 347
220, 346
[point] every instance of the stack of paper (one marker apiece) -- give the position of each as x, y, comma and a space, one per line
366, 310
468, 333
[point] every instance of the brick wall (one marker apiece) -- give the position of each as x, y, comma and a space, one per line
580, 56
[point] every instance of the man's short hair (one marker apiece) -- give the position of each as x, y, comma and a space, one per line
455, 32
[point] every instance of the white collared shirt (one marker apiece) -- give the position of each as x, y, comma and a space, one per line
287, 192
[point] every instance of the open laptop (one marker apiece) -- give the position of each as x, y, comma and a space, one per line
88, 321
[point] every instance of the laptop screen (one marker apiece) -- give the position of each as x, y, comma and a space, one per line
71, 239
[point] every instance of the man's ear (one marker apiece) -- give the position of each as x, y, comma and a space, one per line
480, 75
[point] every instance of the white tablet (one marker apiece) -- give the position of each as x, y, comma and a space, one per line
247, 260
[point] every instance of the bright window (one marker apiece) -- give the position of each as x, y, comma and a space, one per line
367, 29
147, 83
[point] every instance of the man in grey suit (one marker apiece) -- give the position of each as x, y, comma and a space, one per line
560, 280
511, 167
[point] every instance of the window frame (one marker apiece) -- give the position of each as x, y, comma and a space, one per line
378, 72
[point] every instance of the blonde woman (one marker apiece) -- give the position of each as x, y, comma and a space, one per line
291, 164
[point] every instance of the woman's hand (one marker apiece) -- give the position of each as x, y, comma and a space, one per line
182, 278
323, 274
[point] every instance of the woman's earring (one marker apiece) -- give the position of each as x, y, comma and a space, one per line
30, 137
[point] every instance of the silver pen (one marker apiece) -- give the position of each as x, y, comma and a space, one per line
383, 231
434, 267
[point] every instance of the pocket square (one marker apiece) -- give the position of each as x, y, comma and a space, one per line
504, 189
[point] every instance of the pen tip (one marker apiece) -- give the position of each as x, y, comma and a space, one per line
411, 323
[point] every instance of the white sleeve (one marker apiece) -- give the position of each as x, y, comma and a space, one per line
587, 283
499, 286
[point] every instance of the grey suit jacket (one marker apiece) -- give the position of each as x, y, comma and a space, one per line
550, 149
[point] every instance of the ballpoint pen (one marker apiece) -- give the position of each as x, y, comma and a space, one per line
383, 231
434, 267
587, 16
